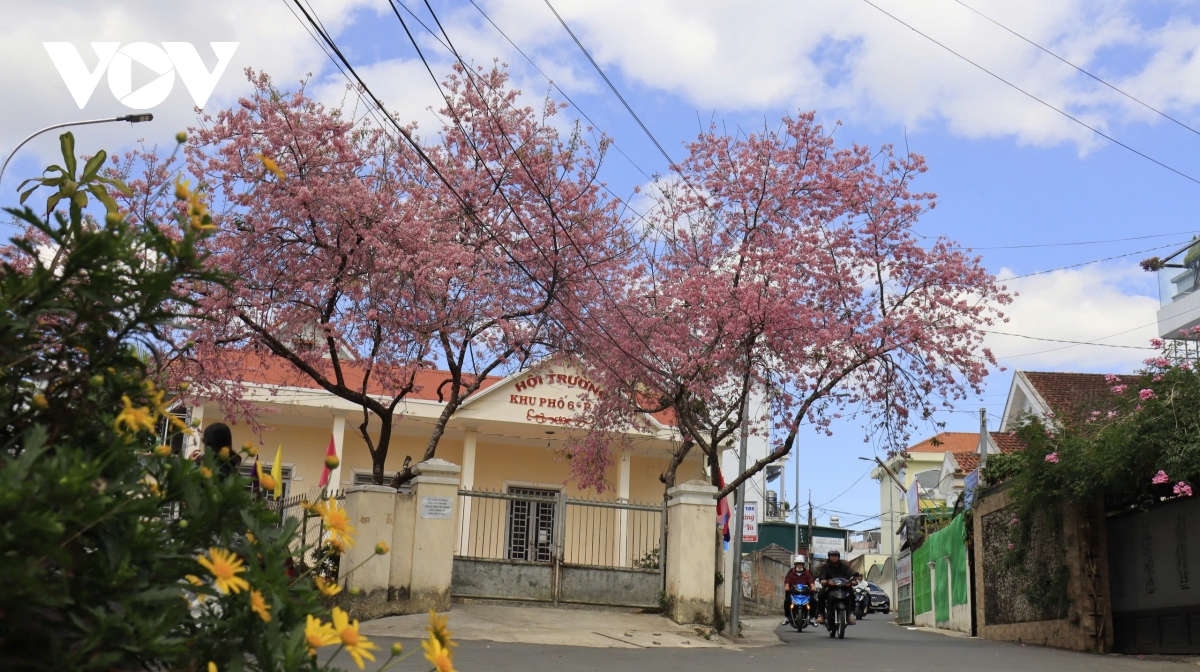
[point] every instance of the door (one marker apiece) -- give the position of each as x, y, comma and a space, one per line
531, 525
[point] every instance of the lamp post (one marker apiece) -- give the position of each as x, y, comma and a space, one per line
131, 118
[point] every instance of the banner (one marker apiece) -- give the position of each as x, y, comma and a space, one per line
750, 523
914, 498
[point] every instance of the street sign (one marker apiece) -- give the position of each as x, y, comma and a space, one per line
750, 523
821, 546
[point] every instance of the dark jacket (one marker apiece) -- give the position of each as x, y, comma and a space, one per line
839, 571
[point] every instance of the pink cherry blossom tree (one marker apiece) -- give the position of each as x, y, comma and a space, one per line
784, 266
362, 270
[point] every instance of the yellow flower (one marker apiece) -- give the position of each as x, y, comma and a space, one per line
224, 453
336, 545
337, 521
39, 400
194, 580
250, 538
259, 606
133, 418
249, 449
225, 567
332, 462
355, 644
212, 667
397, 649
318, 634
438, 655
264, 480
160, 407
327, 588
381, 548
182, 189
271, 166
206, 472
152, 485
163, 450
437, 630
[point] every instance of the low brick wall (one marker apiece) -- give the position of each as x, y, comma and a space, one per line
1088, 624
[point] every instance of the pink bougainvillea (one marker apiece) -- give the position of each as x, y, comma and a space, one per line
1119, 389
1052, 458
1183, 489
1112, 379
1156, 342
1147, 394
1160, 478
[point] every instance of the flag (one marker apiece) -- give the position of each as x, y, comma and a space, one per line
277, 471
723, 513
331, 451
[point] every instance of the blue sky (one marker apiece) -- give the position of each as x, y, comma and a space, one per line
1007, 170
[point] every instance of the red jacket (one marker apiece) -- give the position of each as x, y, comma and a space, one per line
795, 578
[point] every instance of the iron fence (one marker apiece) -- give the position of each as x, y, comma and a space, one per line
542, 526
310, 531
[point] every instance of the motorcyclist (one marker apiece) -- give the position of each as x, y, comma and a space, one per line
798, 579
834, 569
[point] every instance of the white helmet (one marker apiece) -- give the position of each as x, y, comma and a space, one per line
798, 560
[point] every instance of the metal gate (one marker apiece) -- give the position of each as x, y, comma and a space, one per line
537, 545
1155, 607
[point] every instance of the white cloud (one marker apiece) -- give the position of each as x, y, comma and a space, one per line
1078, 305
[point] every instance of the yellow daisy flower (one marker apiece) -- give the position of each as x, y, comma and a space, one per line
194, 580
355, 644
212, 667
327, 588
225, 567
259, 606
264, 479
437, 630
270, 165
318, 634
437, 655
336, 520
133, 418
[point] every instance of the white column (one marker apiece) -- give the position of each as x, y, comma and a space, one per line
339, 433
623, 514
192, 444
467, 482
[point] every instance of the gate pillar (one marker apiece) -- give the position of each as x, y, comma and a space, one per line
425, 536
690, 565
369, 509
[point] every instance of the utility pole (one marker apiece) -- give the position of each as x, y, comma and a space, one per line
797, 516
810, 525
735, 604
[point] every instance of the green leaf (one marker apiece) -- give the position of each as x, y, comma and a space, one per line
67, 142
25, 194
116, 184
99, 192
53, 201
80, 199
93, 166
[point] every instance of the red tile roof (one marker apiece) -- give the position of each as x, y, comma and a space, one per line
269, 370
1007, 442
967, 462
948, 442
1068, 392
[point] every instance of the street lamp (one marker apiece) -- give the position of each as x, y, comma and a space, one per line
131, 118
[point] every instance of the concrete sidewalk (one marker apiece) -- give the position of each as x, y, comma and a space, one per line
572, 627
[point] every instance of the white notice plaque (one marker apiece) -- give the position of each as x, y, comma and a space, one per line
439, 508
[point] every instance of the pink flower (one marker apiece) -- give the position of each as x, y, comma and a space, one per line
1110, 415
1112, 379
1052, 458
1011, 546
1183, 489
1156, 342
1147, 394
1163, 362
1186, 366
1160, 478
1119, 389
1157, 377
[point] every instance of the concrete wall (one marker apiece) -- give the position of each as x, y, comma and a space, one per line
502, 579
611, 586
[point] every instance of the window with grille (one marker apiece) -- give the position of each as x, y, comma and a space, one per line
531, 524
247, 469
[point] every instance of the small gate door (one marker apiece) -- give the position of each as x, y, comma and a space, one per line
531, 525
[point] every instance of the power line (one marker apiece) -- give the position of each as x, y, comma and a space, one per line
1082, 242
1086, 263
1095, 77
1033, 97
1059, 340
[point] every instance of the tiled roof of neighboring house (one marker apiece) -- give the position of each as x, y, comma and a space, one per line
967, 462
777, 553
948, 442
1066, 392
1007, 442
268, 370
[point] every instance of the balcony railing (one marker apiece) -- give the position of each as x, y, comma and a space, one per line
1179, 276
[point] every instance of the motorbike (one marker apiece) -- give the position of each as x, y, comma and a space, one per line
802, 609
862, 600
839, 602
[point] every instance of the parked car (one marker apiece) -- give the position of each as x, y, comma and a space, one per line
880, 602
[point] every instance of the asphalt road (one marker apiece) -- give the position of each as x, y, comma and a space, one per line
874, 645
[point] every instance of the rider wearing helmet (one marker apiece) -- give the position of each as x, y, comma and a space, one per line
834, 569
798, 579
